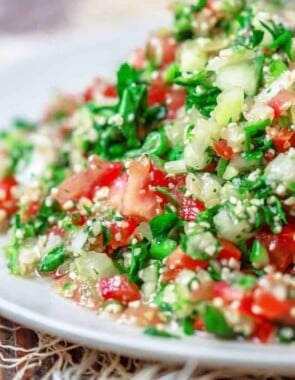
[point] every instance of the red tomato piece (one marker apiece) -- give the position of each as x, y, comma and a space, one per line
229, 251
199, 324
175, 99
211, 168
110, 91
83, 184
179, 259
138, 59
161, 49
264, 330
227, 292
222, 149
283, 138
268, 156
78, 219
8, 200
118, 288
281, 102
32, 210
140, 201
159, 177
156, 93
190, 208
117, 192
99, 86
272, 307
280, 247
121, 232
58, 231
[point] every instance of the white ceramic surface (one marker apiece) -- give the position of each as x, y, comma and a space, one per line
24, 89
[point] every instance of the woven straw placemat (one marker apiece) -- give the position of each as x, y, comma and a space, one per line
27, 354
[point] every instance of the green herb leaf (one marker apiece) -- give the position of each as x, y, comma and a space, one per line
139, 260
188, 326
199, 5
132, 105
153, 331
216, 323
254, 129
221, 166
162, 224
246, 281
126, 76
258, 255
161, 249
53, 259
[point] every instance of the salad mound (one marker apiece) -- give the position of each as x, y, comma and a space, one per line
167, 199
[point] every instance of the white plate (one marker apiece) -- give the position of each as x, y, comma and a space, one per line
24, 88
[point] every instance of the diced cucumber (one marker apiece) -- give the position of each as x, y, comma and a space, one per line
191, 57
229, 106
93, 265
281, 169
177, 297
149, 276
230, 227
245, 74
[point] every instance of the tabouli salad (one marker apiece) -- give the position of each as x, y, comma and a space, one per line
167, 199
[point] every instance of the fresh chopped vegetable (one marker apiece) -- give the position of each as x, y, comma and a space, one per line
168, 197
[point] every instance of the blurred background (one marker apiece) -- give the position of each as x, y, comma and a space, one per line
30, 25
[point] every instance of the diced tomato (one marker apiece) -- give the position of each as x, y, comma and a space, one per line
118, 288
175, 99
161, 49
199, 324
118, 191
83, 184
140, 201
110, 91
271, 307
268, 156
211, 168
55, 230
32, 209
227, 292
156, 93
99, 86
190, 208
121, 232
282, 102
246, 304
159, 177
78, 219
222, 149
8, 200
283, 138
138, 59
263, 330
177, 261
229, 251
280, 247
